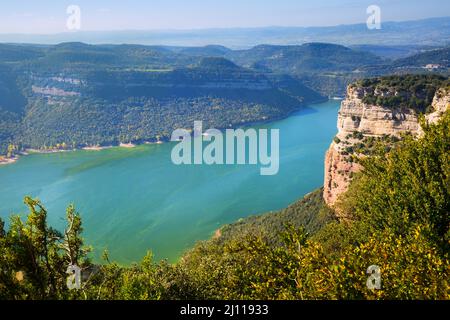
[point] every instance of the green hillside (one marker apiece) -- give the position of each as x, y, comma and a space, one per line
74, 94
307, 58
437, 56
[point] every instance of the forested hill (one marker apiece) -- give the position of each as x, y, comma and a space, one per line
73, 94
439, 57
76, 94
307, 58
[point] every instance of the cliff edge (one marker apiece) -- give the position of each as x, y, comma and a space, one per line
361, 123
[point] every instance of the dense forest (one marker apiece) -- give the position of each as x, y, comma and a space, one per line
74, 94
397, 210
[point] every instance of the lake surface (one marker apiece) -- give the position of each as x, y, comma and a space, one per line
134, 200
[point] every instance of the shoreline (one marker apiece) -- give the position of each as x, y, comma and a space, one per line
95, 148
5, 161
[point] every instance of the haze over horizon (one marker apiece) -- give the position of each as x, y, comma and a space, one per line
181, 30
50, 17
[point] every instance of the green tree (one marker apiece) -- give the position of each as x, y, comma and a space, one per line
40, 254
11, 151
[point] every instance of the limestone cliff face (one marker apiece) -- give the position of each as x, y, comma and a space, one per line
368, 120
338, 171
441, 103
373, 120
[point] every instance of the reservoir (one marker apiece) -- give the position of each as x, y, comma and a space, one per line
132, 200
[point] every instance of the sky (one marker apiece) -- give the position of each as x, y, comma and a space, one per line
50, 16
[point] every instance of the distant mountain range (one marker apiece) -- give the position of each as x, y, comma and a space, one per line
432, 31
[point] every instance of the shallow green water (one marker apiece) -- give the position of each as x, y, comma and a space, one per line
132, 200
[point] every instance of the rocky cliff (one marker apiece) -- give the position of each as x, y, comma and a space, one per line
441, 103
360, 124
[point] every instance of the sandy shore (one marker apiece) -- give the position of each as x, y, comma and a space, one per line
96, 148
157, 142
28, 151
127, 145
5, 161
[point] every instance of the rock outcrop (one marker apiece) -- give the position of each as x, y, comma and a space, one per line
441, 104
355, 115
358, 120
338, 172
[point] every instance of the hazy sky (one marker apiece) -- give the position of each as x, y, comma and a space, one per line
49, 16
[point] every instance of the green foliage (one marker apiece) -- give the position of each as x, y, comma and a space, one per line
34, 257
310, 213
369, 145
399, 92
408, 186
411, 268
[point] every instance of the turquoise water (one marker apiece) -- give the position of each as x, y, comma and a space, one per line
133, 200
